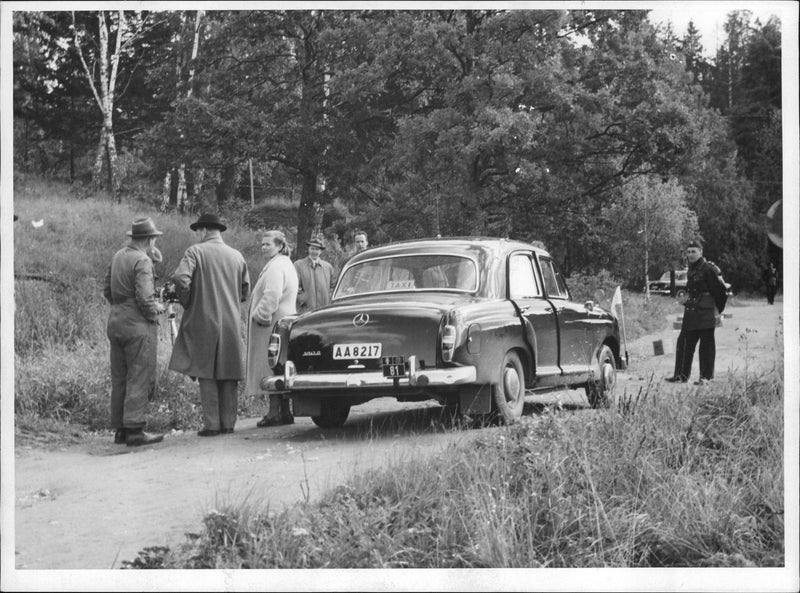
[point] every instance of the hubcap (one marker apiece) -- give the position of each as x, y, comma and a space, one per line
609, 376
511, 384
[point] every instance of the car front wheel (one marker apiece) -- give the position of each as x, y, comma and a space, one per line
600, 389
509, 395
332, 414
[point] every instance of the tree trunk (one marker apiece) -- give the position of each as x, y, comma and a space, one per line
181, 203
104, 95
227, 182
306, 213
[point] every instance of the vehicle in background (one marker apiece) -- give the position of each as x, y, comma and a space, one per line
664, 285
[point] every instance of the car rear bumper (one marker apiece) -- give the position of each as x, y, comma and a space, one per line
416, 378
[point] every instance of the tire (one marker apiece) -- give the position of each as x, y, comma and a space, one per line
332, 414
680, 293
509, 394
600, 390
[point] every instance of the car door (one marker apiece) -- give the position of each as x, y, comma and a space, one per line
575, 344
539, 317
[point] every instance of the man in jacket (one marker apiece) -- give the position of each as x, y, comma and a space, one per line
132, 331
315, 278
705, 299
211, 281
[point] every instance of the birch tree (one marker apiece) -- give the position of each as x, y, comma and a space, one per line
183, 201
101, 72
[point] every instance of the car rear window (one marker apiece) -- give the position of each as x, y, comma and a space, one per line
409, 273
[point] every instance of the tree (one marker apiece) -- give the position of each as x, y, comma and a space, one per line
102, 77
645, 229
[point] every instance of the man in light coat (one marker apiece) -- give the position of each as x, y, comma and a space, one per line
274, 296
316, 278
211, 281
132, 331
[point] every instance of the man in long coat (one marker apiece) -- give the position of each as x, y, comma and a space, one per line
132, 331
705, 289
211, 281
316, 278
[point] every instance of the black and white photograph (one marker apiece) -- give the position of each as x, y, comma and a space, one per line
435, 296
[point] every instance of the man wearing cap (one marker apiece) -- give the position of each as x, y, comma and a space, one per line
704, 303
132, 329
315, 278
211, 281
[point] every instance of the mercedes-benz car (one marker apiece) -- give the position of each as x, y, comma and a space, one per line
474, 323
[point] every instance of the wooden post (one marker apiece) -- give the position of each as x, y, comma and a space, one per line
252, 192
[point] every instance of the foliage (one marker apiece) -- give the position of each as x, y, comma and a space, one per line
692, 482
521, 123
647, 226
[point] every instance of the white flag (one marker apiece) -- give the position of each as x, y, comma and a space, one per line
616, 301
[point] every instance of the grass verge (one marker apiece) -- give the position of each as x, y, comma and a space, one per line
658, 481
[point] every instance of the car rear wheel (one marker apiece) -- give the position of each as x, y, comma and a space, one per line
332, 414
680, 293
600, 390
509, 395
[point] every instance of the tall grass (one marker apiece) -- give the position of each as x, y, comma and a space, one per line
657, 482
61, 348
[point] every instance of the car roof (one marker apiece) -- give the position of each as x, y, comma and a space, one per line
450, 245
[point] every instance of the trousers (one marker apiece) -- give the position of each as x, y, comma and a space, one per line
220, 401
133, 369
684, 353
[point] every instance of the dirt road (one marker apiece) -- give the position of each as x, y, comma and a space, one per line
96, 504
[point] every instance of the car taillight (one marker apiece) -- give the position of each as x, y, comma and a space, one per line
273, 350
448, 342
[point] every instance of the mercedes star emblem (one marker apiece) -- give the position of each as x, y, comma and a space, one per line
361, 320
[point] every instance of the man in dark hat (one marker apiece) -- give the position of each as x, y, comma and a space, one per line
704, 303
315, 277
211, 281
132, 331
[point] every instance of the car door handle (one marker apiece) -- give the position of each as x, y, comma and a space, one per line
554, 309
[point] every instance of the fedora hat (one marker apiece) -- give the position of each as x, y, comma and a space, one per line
208, 221
316, 242
143, 227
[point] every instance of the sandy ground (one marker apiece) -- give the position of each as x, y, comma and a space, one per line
96, 504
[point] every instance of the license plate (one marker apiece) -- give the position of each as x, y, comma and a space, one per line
393, 366
356, 351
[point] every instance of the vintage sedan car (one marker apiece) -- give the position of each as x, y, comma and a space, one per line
663, 284
474, 323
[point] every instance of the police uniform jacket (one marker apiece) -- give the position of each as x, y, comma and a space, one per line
274, 297
211, 281
702, 279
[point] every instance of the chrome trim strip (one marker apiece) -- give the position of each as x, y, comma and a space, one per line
416, 377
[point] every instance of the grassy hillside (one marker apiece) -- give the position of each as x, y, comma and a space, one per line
61, 350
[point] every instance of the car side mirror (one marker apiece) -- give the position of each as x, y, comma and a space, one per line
589, 305
599, 295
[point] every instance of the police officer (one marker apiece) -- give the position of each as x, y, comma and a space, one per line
705, 298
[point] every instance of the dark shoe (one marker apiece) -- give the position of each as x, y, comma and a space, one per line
675, 380
207, 433
266, 421
140, 437
226, 430
119, 436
